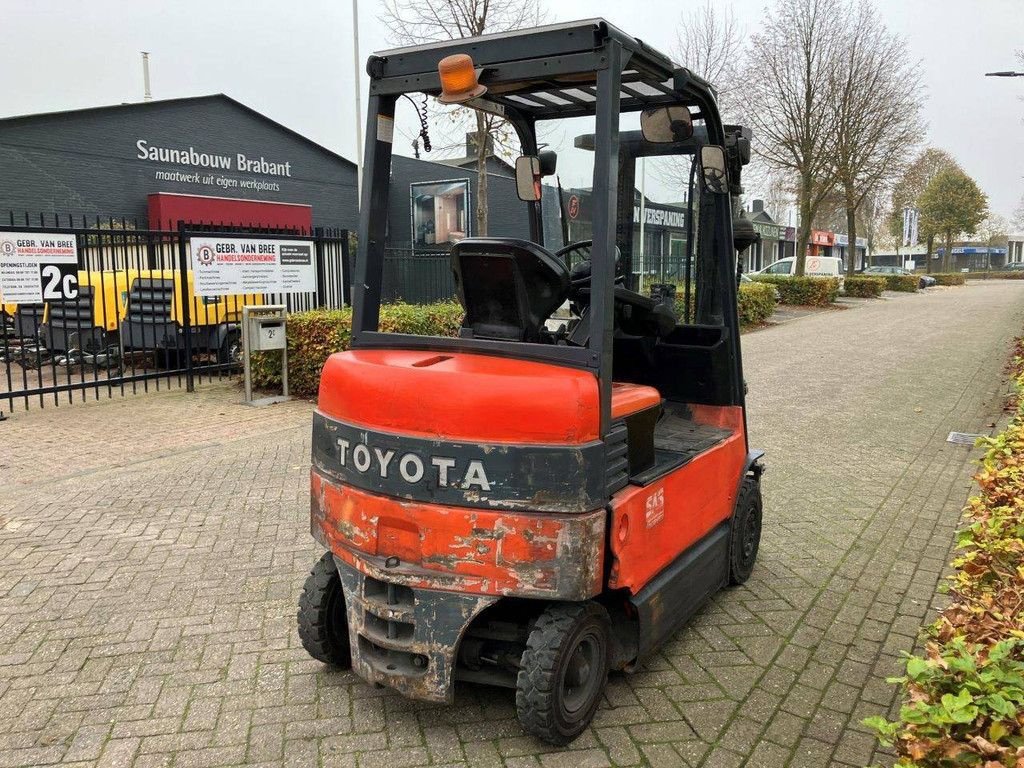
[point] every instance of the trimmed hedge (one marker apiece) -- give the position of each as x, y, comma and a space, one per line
950, 278
864, 286
1009, 275
902, 283
806, 291
316, 335
756, 303
964, 697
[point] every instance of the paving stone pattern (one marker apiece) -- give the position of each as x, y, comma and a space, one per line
152, 550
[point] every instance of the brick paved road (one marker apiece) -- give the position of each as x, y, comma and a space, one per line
152, 549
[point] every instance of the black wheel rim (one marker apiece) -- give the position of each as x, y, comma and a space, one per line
580, 679
751, 533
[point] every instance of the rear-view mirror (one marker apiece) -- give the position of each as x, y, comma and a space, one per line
663, 125
712, 163
528, 178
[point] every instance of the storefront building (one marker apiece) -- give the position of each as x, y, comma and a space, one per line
841, 249
771, 246
976, 258
664, 228
1015, 249
206, 159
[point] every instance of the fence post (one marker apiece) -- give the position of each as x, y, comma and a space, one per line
346, 270
321, 278
186, 320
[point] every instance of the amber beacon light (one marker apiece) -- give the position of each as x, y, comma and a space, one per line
458, 79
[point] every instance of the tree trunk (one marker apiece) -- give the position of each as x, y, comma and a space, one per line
928, 256
851, 233
947, 257
804, 225
481, 175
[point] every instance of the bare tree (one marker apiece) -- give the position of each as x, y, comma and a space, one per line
1018, 215
709, 42
418, 21
876, 111
789, 83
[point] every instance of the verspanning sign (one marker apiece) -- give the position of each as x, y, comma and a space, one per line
230, 266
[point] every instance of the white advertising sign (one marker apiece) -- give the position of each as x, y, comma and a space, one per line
229, 266
36, 267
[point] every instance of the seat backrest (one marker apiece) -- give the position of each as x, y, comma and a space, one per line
508, 287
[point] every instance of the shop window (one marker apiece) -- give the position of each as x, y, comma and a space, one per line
439, 214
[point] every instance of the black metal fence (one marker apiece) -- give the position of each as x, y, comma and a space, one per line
417, 277
120, 312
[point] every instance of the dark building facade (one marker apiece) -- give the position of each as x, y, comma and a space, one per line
109, 161
433, 204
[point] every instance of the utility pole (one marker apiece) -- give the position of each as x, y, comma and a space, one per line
358, 100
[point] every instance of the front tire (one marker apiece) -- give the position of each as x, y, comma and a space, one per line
745, 535
323, 624
563, 671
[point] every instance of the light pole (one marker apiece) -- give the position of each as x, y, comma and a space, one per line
358, 88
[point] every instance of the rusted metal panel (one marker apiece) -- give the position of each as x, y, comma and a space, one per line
419, 661
475, 551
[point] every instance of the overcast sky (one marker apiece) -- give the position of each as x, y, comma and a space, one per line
292, 60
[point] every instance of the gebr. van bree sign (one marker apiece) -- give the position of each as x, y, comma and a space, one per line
37, 267
230, 266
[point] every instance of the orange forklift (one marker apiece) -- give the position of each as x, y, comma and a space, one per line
538, 501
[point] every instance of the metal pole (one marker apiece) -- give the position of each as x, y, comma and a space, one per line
643, 216
246, 362
358, 99
183, 293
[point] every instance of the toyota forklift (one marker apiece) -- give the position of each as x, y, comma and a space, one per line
538, 502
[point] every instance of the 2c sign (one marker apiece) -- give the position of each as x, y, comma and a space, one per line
59, 281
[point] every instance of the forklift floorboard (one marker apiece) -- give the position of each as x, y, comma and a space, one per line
677, 440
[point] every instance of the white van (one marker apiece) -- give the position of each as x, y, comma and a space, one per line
815, 266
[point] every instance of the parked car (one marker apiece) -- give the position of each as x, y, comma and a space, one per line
1014, 266
924, 281
815, 266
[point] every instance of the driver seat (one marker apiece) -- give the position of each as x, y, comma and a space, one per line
508, 287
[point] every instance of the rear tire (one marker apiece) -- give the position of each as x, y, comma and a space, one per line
323, 624
563, 671
745, 535
230, 350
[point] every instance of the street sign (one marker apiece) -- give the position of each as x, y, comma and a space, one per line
226, 266
37, 267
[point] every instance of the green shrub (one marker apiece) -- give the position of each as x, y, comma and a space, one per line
756, 303
316, 335
807, 291
902, 283
950, 278
864, 286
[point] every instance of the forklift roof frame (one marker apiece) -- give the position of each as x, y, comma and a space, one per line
583, 68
